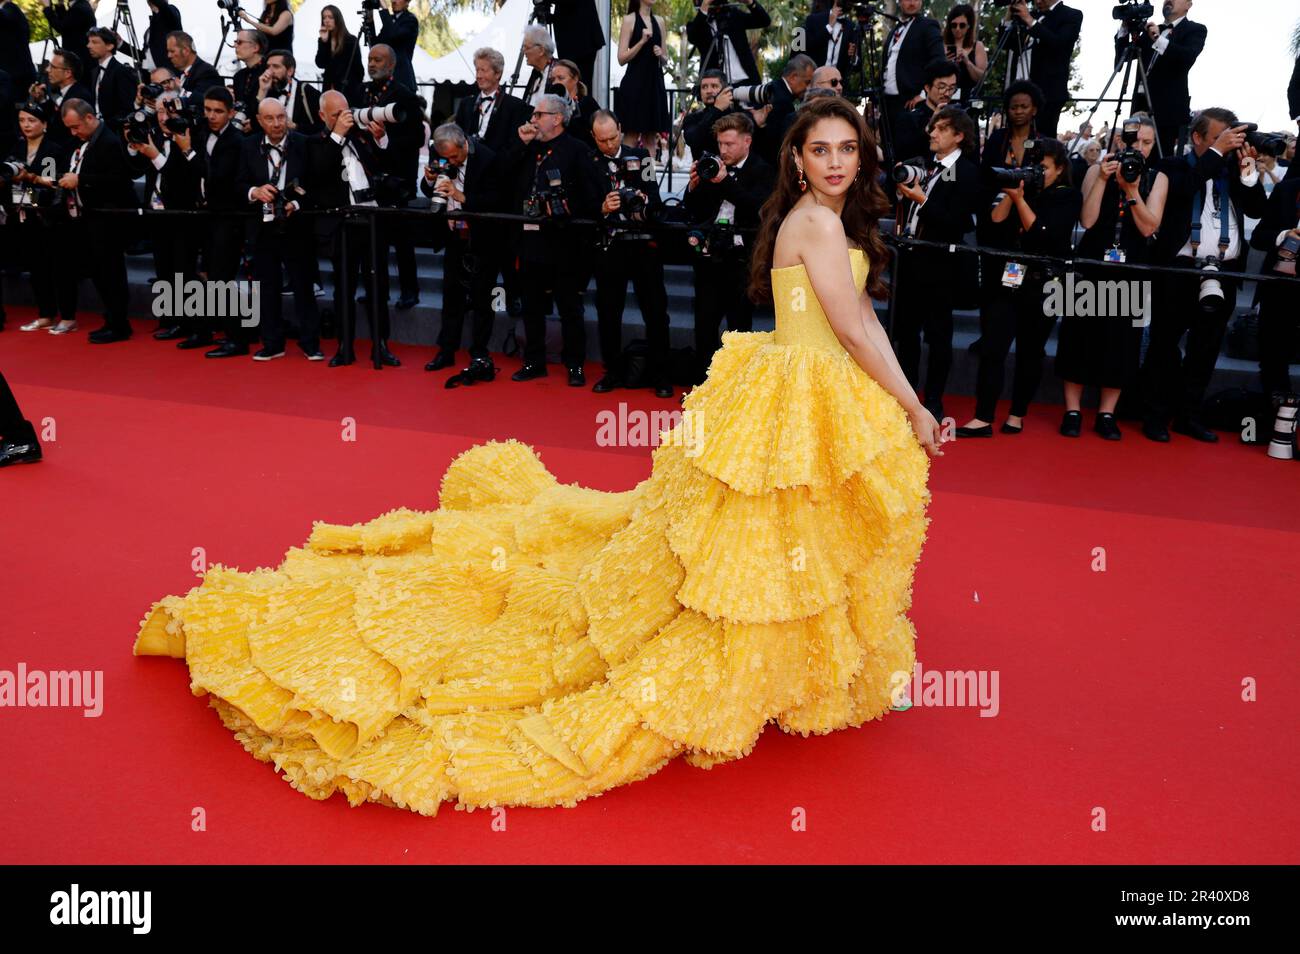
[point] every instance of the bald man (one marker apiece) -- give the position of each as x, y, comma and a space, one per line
828, 77
272, 170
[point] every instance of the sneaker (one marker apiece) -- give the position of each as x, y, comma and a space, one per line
64, 328
40, 324
318, 290
266, 354
313, 356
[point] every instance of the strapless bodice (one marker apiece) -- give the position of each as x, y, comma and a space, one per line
800, 319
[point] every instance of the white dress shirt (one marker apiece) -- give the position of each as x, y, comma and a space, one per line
896, 39
836, 32
914, 214
1209, 244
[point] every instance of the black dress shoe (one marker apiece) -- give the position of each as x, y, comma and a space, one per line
341, 359
663, 390
577, 378
107, 336
387, 357
1156, 431
1105, 426
443, 359
169, 334
480, 369
529, 371
1195, 429
19, 452
984, 430
606, 384
227, 349
194, 341
1009, 428
406, 304
1071, 423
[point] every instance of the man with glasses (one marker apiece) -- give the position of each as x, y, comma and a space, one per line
71, 21
60, 84
827, 77
539, 53
911, 137
250, 49
554, 178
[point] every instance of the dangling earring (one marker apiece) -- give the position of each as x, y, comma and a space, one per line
803, 184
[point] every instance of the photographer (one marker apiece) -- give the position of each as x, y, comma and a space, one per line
463, 177
493, 115
401, 31
196, 75
912, 132
164, 19
219, 143
937, 204
779, 99
718, 34
112, 85
723, 204
34, 227
275, 23
71, 21
1038, 214
98, 180
914, 43
578, 33
250, 50
831, 37
554, 180
1168, 52
164, 153
300, 101
629, 255
1123, 200
271, 169
1211, 191
400, 161
337, 55
61, 75
715, 102
1041, 48
1278, 234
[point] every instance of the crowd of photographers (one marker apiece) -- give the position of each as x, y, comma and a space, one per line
279, 167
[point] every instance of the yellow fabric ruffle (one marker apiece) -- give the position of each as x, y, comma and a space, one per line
537, 643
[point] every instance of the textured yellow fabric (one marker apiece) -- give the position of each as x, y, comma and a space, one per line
536, 643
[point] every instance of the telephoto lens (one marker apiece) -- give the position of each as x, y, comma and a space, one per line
392, 113
909, 171
708, 166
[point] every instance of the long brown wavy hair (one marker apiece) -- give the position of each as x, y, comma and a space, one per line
864, 205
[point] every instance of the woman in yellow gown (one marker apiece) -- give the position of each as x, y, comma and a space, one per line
536, 643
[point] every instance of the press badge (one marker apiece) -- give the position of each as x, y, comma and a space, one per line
1013, 275
1114, 255
531, 227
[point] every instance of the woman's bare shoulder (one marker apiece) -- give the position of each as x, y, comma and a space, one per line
807, 230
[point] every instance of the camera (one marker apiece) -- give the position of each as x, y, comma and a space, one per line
1134, 14
1131, 161
1211, 295
548, 201
909, 171
708, 166
542, 12
242, 114
1030, 173
291, 192
712, 240
182, 118
151, 91
367, 5
137, 126
438, 202
1266, 144
231, 7
10, 170
392, 113
631, 202
752, 97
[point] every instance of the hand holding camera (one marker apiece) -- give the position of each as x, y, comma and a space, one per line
266, 193
344, 124
1230, 139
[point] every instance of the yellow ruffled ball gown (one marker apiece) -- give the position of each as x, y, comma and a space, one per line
535, 643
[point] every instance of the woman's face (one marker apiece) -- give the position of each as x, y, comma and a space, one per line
561, 75
1051, 172
32, 127
1092, 153
327, 20
960, 28
830, 156
1021, 109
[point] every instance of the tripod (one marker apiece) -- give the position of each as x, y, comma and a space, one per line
869, 57
122, 15
1132, 53
226, 24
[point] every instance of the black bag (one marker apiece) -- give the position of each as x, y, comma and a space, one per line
1227, 409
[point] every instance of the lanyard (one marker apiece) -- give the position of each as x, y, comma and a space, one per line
1222, 206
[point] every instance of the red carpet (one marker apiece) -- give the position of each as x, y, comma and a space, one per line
1118, 690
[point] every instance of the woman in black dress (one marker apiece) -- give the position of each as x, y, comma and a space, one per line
1102, 350
337, 55
1040, 224
34, 230
962, 45
582, 107
276, 22
642, 99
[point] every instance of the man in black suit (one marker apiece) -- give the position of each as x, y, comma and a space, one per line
1211, 191
915, 42
463, 176
61, 85
196, 75
539, 53
578, 35
164, 19
1168, 53
1279, 302
493, 114
401, 31
71, 21
733, 196
912, 133
15, 53
941, 207
300, 100
272, 170
399, 157
112, 85
787, 91
831, 38
718, 33
550, 256
628, 255
1041, 49
99, 179
220, 147
716, 101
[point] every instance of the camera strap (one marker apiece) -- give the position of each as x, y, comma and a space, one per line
1222, 210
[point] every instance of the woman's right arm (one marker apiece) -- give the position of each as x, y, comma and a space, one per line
625, 52
1093, 189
